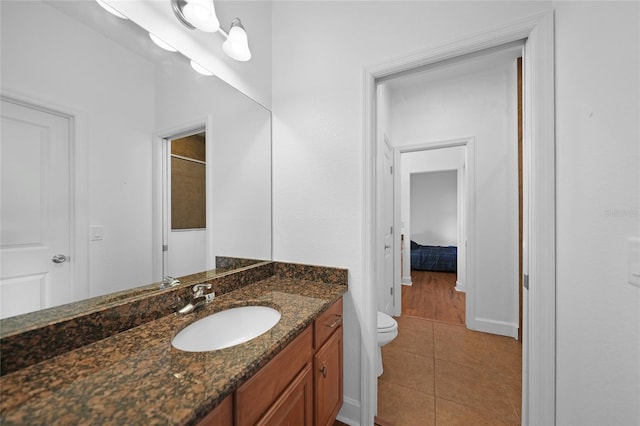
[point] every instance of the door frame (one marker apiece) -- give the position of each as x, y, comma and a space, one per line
467, 220
78, 184
158, 187
539, 346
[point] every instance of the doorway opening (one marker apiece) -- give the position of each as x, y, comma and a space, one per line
434, 215
538, 398
478, 97
184, 203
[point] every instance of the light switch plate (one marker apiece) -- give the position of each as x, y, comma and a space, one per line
634, 261
96, 232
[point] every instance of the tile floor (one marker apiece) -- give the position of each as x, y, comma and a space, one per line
436, 373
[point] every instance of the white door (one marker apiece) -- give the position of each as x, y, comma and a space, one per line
34, 210
387, 211
184, 249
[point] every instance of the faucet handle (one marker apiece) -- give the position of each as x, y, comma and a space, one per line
198, 289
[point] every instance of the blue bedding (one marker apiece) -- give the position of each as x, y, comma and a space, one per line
434, 258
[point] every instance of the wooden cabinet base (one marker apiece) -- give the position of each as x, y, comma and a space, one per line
222, 415
295, 405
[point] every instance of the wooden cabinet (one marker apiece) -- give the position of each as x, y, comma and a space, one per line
301, 386
295, 406
222, 415
260, 392
327, 364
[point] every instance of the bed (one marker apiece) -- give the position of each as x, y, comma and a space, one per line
434, 258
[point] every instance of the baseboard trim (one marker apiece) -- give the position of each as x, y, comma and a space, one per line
407, 280
460, 287
350, 412
486, 325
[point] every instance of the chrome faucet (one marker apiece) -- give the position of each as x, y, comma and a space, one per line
169, 282
199, 298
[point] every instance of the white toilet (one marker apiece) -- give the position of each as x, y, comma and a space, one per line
387, 331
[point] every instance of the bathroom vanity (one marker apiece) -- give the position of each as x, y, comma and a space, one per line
293, 372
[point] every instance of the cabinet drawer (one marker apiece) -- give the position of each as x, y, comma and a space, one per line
327, 323
255, 397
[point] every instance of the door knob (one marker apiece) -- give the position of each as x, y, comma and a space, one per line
59, 258
323, 370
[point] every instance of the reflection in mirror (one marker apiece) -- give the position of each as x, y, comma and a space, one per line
87, 103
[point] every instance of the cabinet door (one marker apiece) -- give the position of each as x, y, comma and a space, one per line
257, 395
327, 365
222, 415
295, 405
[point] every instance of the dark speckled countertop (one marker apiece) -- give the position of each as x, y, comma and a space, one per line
136, 377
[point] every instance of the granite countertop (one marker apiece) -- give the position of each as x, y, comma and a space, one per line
137, 377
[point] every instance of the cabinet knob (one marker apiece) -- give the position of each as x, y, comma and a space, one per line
323, 370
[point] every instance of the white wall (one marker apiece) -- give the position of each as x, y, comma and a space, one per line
319, 51
598, 204
481, 103
61, 63
434, 208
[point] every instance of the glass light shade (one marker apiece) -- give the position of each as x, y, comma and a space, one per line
200, 69
161, 43
202, 15
110, 9
237, 45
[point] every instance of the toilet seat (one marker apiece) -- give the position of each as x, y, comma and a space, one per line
386, 324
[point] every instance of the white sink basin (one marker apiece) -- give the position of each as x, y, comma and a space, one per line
226, 328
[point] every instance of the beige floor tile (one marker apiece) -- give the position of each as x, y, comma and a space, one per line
456, 343
474, 387
449, 413
503, 343
408, 370
514, 392
401, 406
415, 335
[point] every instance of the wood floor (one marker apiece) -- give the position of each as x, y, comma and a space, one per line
432, 295
436, 372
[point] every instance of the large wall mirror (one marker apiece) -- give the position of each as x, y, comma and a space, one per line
91, 109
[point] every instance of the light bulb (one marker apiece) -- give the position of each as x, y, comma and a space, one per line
200, 69
202, 15
161, 43
110, 9
237, 44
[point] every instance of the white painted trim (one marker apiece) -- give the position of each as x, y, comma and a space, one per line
539, 329
501, 328
539, 208
79, 185
398, 279
350, 412
158, 177
367, 297
468, 216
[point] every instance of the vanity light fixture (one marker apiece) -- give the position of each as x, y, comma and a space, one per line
111, 10
201, 15
236, 45
200, 69
161, 43
196, 14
